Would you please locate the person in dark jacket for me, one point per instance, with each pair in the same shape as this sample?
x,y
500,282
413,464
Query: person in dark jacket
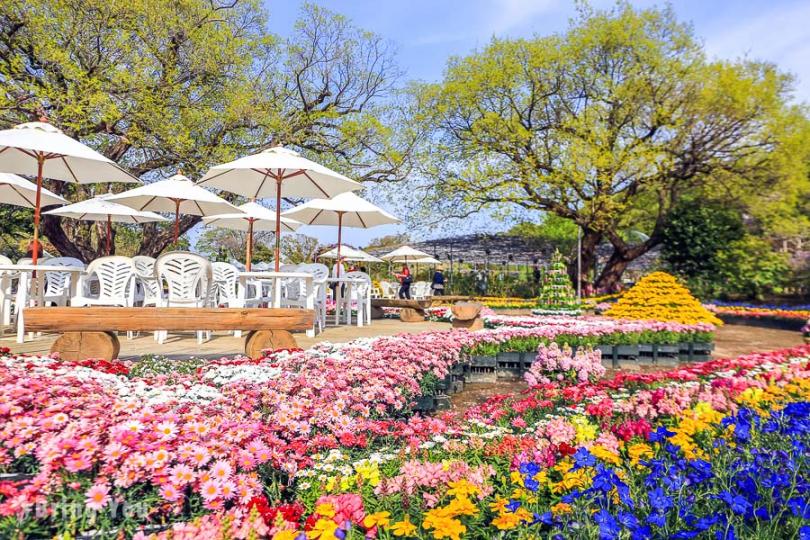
x,y
438,282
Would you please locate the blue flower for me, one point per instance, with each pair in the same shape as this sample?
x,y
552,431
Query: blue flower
x,y
804,532
659,500
609,529
531,484
583,458
641,533
799,507
513,505
661,434
737,503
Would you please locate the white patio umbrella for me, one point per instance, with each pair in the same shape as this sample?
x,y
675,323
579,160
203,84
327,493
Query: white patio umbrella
x,y
254,217
350,254
404,254
100,209
426,260
41,147
344,210
176,195
278,172
18,191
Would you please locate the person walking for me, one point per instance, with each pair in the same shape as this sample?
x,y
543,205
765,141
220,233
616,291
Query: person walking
x,y
438,282
405,279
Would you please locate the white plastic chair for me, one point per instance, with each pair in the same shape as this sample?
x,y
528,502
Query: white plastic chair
x,y
361,293
319,274
7,278
115,277
147,291
57,284
388,289
188,278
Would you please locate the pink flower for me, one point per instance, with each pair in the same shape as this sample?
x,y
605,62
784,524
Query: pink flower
x,y
221,470
169,492
97,496
210,490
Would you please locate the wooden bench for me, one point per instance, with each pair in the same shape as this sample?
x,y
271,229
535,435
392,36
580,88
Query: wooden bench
x,y
89,332
411,310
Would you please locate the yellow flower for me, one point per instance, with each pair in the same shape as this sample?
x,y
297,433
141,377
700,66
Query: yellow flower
x,y
325,509
462,488
561,508
462,506
506,521
403,528
638,451
324,529
377,519
600,452
289,534
499,505
443,526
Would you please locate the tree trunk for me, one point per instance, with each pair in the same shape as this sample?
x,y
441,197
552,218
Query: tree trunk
x,y
612,272
620,259
590,241
155,240
64,244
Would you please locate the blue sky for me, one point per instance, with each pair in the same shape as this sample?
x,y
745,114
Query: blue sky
x,y
427,32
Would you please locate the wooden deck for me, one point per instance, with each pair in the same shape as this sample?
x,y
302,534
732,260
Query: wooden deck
x,y
183,345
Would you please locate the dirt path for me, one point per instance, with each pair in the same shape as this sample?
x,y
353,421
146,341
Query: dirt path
x,y
730,341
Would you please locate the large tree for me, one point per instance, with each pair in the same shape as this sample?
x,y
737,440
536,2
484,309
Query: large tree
x,y
163,86
607,125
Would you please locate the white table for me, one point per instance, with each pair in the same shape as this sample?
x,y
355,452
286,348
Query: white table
x,y
30,290
339,298
277,278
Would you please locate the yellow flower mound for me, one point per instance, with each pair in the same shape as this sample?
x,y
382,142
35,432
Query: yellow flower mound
x,y
659,297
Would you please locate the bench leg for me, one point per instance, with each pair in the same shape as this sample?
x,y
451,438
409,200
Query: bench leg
x,y
411,315
377,313
84,345
260,340
472,324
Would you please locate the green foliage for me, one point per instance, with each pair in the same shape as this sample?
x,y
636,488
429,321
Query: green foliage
x,y
552,230
750,267
162,86
695,234
16,229
607,125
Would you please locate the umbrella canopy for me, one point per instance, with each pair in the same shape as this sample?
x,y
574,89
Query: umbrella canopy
x,y
344,210
405,254
350,254
38,148
426,260
176,195
100,209
254,217
18,191
278,172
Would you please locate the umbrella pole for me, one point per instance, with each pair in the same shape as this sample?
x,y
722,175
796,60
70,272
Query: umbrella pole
x,y
109,232
279,179
249,255
35,248
176,220
340,230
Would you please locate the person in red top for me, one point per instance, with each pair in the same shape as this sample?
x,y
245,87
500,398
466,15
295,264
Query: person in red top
x,y
404,278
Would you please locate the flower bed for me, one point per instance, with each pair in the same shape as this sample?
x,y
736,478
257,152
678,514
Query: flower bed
x,y
659,297
716,450
781,317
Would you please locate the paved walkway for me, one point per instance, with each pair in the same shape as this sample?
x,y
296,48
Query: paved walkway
x,y
183,345
732,340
